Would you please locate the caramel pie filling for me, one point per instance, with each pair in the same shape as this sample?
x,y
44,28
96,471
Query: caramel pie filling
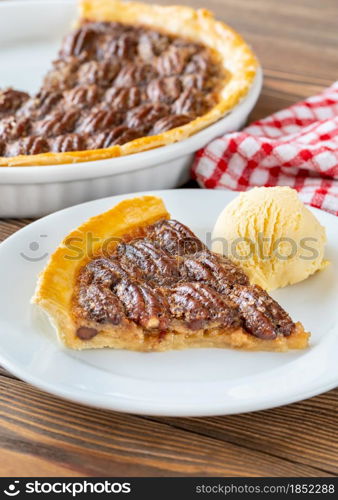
x,y
112,83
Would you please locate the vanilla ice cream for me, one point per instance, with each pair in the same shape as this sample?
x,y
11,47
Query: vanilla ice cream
x,y
272,236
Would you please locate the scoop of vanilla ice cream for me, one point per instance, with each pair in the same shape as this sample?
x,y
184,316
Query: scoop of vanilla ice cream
x,y
272,236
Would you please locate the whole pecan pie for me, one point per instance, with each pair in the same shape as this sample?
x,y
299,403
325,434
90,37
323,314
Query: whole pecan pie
x,y
147,283
130,77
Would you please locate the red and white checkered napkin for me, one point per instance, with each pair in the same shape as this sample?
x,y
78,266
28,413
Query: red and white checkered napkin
x,y
295,147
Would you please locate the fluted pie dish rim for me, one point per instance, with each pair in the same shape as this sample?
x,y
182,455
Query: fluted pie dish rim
x,y
237,59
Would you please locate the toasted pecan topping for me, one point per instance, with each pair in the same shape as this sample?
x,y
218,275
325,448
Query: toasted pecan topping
x,y
123,47
173,60
143,304
175,238
133,74
98,120
198,304
78,41
68,142
63,75
198,63
82,96
118,135
167,276
262,316
111,84
13,127
56,124
218,272
151,44
41,105
98,72
166,89
123,99
95,299
146,115
191,101
199,81
11,100
151,262
101,305
28,146
170,122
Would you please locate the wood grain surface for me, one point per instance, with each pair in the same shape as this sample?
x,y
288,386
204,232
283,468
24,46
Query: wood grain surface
x,y
297,43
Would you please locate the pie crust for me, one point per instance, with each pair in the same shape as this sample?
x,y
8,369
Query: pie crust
x,y
55,291
197,25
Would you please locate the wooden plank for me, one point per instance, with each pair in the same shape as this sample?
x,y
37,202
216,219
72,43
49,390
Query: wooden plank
x,y
96,442
32,465
297,45
10,226
5,373
304,432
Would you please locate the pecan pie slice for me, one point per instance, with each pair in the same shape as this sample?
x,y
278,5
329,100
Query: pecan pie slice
x,y
129,78
147,283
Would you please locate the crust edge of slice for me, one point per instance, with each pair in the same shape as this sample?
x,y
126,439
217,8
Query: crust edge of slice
x,y
55,285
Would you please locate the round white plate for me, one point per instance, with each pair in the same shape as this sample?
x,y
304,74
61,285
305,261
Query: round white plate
x,y
181,383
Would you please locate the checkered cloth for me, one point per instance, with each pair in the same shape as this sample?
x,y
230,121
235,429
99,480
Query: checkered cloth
x,y
295,147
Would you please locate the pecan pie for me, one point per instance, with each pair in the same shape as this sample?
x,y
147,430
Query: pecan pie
x,y
149,284
130,77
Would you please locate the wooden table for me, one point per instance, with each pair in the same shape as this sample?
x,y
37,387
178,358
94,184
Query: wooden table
x,y
296,41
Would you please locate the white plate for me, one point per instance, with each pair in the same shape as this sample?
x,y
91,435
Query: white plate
x,y
182,383
30,37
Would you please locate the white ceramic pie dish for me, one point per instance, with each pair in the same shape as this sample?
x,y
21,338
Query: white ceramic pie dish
x,y
30,34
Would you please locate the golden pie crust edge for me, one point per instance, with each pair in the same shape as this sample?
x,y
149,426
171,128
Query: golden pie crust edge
x,y
55,288
55,285
199,26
